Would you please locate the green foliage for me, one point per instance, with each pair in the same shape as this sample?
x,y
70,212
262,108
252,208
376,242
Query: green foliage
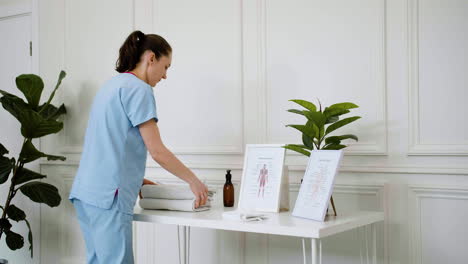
x,y
33,124
15,214
31,86
319,124
25,175
41,192
5,169
30,153
3,150
14,240
37,120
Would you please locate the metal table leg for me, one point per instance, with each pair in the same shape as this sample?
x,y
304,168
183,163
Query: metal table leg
x,y
187,245
183,239
366,233
316,245
374,243
304,250
316,251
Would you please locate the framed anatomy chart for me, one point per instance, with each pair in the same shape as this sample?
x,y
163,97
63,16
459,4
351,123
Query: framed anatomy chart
x,y
317,184
263,184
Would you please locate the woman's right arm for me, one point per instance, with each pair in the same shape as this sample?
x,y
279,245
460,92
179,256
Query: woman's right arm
x,y
150,133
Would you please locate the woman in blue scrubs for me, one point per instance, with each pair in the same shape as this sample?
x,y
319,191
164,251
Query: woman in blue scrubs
x,y
122,128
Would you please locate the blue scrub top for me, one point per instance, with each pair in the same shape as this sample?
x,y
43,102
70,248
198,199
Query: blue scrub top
x,y
114,154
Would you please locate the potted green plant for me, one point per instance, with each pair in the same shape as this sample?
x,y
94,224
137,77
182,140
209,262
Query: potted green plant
x,y
37,120
318,127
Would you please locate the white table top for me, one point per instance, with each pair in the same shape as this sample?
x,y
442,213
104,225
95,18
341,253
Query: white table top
x,y
277,223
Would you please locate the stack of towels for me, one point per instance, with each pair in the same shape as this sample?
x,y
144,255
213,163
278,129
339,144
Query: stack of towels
x,y
172,197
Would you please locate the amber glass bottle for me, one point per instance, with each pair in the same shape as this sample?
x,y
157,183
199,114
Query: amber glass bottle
x,y
228,191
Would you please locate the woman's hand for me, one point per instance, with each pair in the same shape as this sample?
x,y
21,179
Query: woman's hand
x,y
200,191
145,181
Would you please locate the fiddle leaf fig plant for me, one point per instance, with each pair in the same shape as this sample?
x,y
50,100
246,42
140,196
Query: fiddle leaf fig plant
x,y
318,127
37,120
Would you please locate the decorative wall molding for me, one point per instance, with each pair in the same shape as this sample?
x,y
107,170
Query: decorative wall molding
x,y
416,147
261,242
416,193
198,150
254,80
254,71
144,249
301,168
262,74
402,169
359,148
66,183
205,150
378,148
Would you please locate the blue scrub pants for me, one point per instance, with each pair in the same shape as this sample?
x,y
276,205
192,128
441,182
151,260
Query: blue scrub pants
x,y
106,232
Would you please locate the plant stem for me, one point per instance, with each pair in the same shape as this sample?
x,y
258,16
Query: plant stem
x,y
7,204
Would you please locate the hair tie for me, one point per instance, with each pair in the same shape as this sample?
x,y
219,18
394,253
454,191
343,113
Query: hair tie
x,y
141,37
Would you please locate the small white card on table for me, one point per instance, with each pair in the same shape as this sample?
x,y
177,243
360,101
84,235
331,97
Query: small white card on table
x,y
317,184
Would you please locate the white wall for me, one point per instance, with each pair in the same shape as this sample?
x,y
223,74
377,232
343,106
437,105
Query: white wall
x,y
17,29
235,66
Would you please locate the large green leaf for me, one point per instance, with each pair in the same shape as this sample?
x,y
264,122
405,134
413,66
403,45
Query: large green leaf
x,y
334,147
341,123
30,237
295,111
297,149
15,214
332,112
33,125
337,139
317,121
5,225
3,150
30,153
14,241
316,130
297,145
41,192
5,169
332,119
317,118
308,105
51,112
24,175
308,142
13,104
31,86
309,131
345,105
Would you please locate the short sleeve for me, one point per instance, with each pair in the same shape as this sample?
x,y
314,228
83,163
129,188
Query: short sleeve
x,y
139,104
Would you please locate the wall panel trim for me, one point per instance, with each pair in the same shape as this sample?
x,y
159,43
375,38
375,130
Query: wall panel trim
x,y
416,147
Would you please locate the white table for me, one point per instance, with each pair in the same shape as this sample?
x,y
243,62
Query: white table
x,y
277,224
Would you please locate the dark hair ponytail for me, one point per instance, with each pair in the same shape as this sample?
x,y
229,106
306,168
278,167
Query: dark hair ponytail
x,y
135,45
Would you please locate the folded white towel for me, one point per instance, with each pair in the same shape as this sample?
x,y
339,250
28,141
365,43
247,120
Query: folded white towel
x,y
169,191
187,205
